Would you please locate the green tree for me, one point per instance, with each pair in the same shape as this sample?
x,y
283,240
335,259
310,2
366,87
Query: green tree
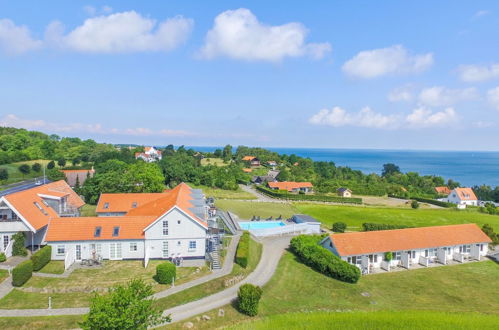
x,y
36,167
248,298
124,307
61,162
24,169
18,248
339,227
4,174
75,161
227,153
55,175
390,169
217,153
51,165
415,204
144,177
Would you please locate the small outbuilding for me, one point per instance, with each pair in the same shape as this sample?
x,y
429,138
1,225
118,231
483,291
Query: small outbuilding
x,y
344,192
313,223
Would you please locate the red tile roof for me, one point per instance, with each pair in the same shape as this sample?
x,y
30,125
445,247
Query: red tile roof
x,y
118,203
289,185
248,158
466,194
381,241
442,190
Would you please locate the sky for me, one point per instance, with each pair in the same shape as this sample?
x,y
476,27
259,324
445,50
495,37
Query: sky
x,y
323,74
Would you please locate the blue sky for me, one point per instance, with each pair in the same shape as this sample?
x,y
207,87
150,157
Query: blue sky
x,y
385,75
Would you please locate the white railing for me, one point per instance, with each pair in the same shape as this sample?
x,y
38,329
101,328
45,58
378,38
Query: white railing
x,y
302,228
69,258
8,249
147,256
385,265
424,261
458,257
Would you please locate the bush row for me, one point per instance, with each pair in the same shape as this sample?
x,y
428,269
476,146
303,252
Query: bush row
x,y
307,248
166,272
242,252
22,273
426,200
248,297
41,257
305,197
369,226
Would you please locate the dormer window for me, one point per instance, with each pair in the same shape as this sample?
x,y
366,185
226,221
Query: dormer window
x,y
106,205
97,231
134,205
40,208
116,231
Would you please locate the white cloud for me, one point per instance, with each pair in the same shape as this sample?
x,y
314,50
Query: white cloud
x,y
423,117
384,61
238,34
16,39
92,11
493,97
476,73
366,117
442,96
481,13
127,32
401,94
482,124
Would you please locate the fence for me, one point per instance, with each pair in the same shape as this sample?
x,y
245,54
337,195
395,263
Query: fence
x,y
8,249
69,258
302,228
147,256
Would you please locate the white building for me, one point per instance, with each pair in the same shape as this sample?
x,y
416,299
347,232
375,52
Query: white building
x,y
149,155
29,211
170,225
409,247
462,197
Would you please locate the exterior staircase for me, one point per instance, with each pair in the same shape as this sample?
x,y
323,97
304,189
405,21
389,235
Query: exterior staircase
x,y
215,257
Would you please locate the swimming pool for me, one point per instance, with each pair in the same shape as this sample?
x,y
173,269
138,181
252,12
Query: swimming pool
x,y
247,225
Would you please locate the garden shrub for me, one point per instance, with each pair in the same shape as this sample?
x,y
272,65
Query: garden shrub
x,y
415,204
388,256
242,252
339,227
22,273
307,248
166,272
2,257
248,298
18,248
489,231
369,226
41,257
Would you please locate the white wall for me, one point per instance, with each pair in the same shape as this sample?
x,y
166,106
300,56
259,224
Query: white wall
x,y
87,249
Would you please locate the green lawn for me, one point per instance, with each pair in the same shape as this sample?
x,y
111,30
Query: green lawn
x,y
88,210
16,176
225,194
3,275
213,161
296,288
53,267
40,322
246,210
216,285
354,216
76,290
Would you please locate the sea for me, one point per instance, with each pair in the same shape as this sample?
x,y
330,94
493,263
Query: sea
x,y
469,168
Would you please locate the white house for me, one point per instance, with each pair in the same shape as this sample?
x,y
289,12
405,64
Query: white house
x,y
30,211
170,225
462,197
149,155
409,247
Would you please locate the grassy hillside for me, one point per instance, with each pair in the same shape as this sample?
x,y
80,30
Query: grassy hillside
x,y
225,194
355,216
213,161
16,176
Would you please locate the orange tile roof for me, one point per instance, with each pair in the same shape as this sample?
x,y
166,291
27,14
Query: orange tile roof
x,y
29,203
124,202
247,170
381,241
442,190
466,194
248,158
289,185
83,228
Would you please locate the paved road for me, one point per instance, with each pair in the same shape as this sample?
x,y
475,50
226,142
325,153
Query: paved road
x,y
273,249
20,186
260,197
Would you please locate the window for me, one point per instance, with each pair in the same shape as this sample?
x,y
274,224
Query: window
x,y
133,247
165,249
97,231
465,249
481,247
6,240
192,245
106,205
134,205
430,253
165,228
178,222
179,242
40,208
396,256
14,216
116,231
61,249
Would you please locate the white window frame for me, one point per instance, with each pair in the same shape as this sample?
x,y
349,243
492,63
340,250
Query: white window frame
x,y
59,248
192,246
166,230
134,247
165,249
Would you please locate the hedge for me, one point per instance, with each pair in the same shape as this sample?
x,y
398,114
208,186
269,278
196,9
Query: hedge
x,y
242,252
339,227
22,273
41,257
248,298
426,200
307,248
369,226
305,197
2,257
166,272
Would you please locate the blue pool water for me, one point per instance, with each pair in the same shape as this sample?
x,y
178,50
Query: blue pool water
x,y
260,224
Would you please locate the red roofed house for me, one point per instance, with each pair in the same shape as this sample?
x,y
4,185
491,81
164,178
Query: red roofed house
x,y
442,190
290,186
462,197
168,225
251,160
149,155
30,211
80,176
412,246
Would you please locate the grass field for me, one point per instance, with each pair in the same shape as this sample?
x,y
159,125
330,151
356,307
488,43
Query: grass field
x,y
75,291
378,320
354,216
213,161
40,322
246,210
225,194
16,176
53,267
3,275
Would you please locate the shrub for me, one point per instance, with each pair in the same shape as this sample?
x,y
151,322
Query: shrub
x,y
22,273
41,257
489,231
425,200
242,252
339,227
51,165
307,248
248,298
304,197
415,204
18,248
166,272
388,256
2,257
368,226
